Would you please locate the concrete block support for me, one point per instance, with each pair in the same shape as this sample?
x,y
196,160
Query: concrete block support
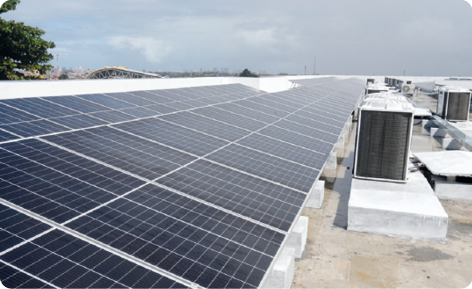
x,y
283,270
409,210
332,161
297,239
451,190
316,196
450,144
427,123
437,132
341,141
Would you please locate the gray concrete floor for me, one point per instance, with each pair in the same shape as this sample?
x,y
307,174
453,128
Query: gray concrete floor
x,y
337,258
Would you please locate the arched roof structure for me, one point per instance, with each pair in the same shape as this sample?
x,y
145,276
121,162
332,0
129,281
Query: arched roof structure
x,y
119,72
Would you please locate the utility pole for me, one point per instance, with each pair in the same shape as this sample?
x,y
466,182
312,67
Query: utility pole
x,y
314,67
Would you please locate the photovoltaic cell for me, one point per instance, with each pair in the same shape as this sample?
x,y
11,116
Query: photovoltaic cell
x,y
6,136
336,130
45,191
106,101
39,107
78,121
11,115
16,227
298,139
240,193
68,262
77,103
247,112
230,118
112,116
266,166
285,151
174,136
34,128
208,218
206,125
122,150
173,245
130,98
262,108
139,112
75,166
306,130
12,278
151,96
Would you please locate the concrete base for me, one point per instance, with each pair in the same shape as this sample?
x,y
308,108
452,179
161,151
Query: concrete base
x,y
437,132
427,123
332,161
283,270
409,210
451,190
341,141
450,144
297,239
316,196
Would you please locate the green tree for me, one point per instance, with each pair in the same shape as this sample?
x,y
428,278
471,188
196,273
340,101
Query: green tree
x,y
247,73
22,47
64,76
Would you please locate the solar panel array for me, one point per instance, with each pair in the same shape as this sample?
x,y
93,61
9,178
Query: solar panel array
x,y
167,188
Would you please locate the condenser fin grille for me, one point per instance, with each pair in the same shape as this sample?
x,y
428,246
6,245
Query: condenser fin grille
x,y
383,143
458,106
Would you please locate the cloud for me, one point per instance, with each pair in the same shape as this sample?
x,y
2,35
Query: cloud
x,y
153,50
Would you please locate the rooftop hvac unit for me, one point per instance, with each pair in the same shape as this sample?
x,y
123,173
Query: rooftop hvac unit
x,y
375,88
454,103
370,80
383,139
407,89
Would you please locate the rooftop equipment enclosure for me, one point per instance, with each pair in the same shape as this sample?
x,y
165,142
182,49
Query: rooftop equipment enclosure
x,y
383,140
454,103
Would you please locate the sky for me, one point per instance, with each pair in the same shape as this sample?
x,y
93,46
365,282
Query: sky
x,y
363,37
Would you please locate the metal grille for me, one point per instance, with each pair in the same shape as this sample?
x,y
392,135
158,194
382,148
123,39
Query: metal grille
x,y
383,142
458,106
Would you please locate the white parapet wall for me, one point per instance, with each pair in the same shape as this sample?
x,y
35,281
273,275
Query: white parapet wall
x,y
38,88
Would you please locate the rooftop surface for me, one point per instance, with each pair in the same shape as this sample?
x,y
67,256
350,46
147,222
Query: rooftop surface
x,y
337,258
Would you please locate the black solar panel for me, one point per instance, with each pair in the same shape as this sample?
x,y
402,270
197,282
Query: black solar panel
x,y
173,135
34,128
11,115
243,194
124,151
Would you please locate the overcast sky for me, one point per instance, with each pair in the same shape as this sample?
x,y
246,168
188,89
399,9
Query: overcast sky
x,y
423,37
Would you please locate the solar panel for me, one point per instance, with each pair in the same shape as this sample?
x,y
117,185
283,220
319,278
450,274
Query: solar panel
x,y
39,107
206,125
11,115
161,188
123,151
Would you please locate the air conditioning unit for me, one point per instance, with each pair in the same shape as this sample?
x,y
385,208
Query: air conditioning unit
x,y
383,139
454,103
407,89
